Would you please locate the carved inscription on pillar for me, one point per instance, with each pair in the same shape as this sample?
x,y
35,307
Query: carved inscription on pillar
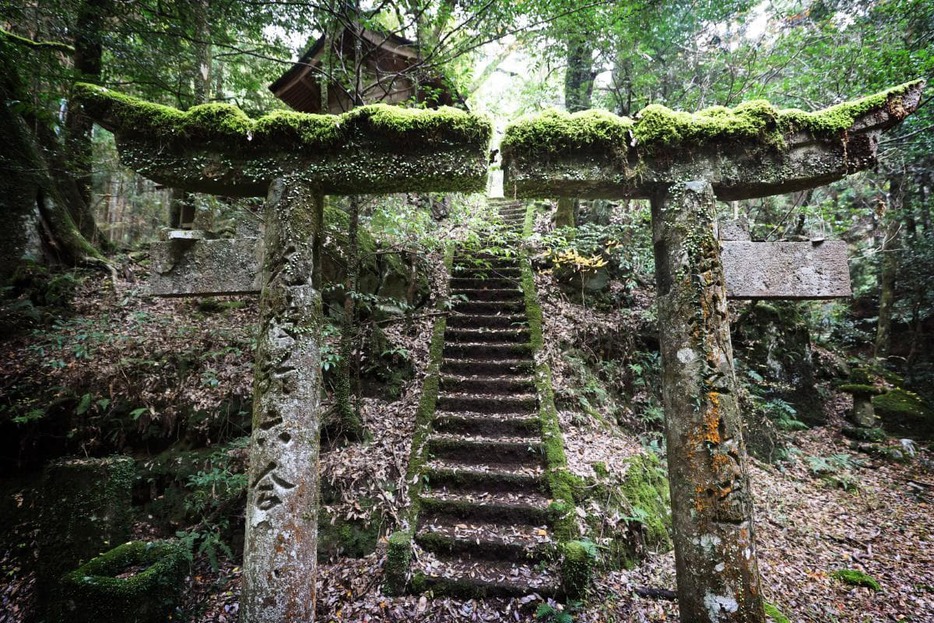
x,y
281,531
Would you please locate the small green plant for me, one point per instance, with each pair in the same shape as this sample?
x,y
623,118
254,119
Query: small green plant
x,y
854,577
552,612
836,469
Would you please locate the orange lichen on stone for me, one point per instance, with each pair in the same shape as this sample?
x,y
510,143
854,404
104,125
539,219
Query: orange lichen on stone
x,y
712,419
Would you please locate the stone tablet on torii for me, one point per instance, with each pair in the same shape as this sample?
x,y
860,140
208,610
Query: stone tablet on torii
x,y
681,162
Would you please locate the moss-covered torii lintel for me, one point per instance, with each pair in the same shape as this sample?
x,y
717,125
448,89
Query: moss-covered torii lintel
x,y
218,149
753,150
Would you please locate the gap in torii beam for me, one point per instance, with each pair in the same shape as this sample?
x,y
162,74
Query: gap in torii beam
x,y
680,162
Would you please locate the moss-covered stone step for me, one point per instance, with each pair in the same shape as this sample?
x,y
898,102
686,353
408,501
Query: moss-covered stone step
x,y
483,540
490,308
528,508
502,367
474,321
488,477
474,451
487,350
518,334
476,384
443,575
477,283
510,293
482,403
488,424
486,273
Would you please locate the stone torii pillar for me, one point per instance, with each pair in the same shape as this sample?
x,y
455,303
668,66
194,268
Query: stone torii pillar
x,y
294,159
682,163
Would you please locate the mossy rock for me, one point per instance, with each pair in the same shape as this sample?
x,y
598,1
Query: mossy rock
x,y
85,510
854,577
398,559
645,487
341,537
859,389
874,435
905,411
137,582
578,559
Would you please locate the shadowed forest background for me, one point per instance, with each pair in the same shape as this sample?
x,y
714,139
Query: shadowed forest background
x,y
92,365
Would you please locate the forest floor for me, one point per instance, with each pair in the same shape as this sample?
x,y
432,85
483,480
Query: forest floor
x,y
823,508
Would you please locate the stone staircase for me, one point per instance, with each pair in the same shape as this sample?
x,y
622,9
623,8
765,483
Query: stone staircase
x,y
483,529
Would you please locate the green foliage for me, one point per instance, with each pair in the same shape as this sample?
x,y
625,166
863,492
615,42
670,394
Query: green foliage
x,y
212,493
551,612
837,469
854,577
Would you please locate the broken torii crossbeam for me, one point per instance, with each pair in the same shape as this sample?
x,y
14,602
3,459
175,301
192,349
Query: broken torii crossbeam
x,y
682,163
293,159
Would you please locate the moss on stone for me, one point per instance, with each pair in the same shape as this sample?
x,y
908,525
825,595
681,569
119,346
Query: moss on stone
x,y
392,126
85,510
775,614
578,559
874,435
854,577
137,581
901,403
645,488
398,558
563,486
554,132
859,388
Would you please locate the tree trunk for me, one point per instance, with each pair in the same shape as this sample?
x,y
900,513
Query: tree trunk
x,y
35,190
564,216
348,413
889,269
280,558
717,573
578,79
88,63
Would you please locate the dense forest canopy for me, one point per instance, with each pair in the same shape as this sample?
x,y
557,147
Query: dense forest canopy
x,y
441,310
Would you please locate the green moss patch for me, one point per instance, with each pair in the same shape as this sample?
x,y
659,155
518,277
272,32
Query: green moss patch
x,y
555,132
390,127
577,565
646,490
859,389
905,411
137,581
856,578
775,614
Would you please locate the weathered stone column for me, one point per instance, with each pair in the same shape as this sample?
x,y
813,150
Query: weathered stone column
x,y
718,578
279,558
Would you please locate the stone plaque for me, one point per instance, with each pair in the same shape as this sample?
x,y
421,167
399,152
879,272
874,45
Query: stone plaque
x,y
201,267
786,270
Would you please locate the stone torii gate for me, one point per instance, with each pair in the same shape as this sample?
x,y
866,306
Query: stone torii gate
x,y
683,163
293,159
